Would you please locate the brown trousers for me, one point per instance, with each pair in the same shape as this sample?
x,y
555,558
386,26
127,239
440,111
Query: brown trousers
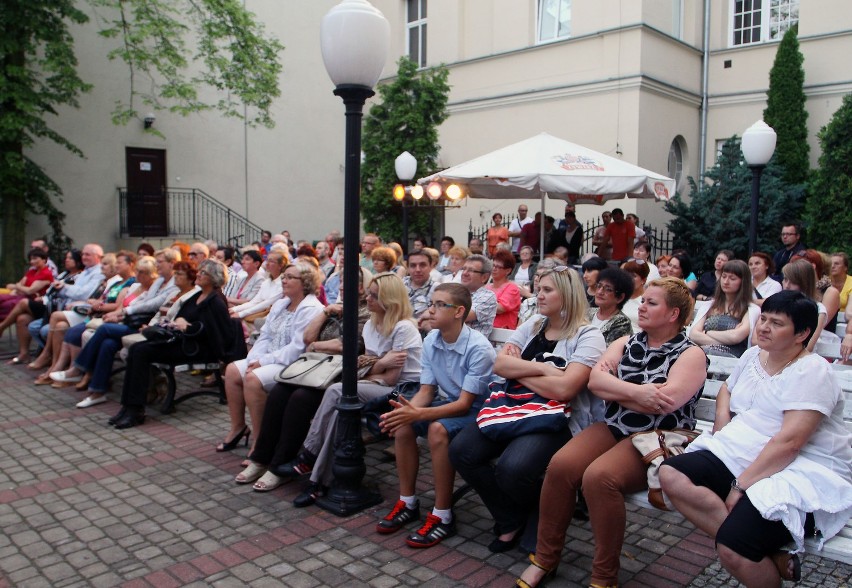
x,y
606,470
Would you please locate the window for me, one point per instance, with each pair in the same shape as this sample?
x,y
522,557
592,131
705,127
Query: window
x,y
554,20
675,162
762,20
677,19
416,28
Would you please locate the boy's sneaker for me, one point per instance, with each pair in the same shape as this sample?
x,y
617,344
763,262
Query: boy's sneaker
x,y
397,518
433,531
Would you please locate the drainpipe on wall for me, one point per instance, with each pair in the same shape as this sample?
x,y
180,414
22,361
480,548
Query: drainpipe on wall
x,y
705,73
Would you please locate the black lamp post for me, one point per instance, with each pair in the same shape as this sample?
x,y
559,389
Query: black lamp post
x,y
758,145
354,38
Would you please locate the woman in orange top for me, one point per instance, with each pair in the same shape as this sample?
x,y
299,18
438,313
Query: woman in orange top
x,y
496,234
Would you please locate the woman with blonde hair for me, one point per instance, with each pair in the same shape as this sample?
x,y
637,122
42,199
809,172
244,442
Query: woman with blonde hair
x,y
552,355
391,363
399,269
650,380
93,367
457,256
724,324
280,343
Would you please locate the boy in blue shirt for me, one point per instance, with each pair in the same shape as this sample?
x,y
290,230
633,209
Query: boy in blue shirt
x,y
457,364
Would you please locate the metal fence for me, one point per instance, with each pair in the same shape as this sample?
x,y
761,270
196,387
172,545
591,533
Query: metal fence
x,y
187,213
660,240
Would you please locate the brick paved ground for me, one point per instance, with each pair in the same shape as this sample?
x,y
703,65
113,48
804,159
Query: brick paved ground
x,y
82,504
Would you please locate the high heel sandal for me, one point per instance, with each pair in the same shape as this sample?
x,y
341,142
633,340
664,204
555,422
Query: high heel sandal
x,y
232,444
549,574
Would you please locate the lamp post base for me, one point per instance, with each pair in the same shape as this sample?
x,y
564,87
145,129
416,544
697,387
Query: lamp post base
x,y
347,496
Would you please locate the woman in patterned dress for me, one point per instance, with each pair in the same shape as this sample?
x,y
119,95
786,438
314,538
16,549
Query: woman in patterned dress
x,y
648,381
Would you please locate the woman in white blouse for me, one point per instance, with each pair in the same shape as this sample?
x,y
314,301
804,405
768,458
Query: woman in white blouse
x,y
778,460
270,289
280,343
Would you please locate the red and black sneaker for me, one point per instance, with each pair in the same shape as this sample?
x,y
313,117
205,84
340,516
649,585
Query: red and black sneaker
x,y
397,518
433,531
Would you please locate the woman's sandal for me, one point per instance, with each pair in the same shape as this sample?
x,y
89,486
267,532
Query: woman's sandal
x,y
250,474
43,380
782,560
549,574
268,482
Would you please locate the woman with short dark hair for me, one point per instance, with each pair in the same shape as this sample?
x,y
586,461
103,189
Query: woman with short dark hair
x,y
778,459
613,290
591,268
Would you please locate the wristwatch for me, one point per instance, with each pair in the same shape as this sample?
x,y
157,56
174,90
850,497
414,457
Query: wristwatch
x,y
735,484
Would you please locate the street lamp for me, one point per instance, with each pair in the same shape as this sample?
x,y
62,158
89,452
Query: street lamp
x,y
406,168
354,38
758,144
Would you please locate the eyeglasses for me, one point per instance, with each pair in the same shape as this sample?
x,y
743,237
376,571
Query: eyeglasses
x,y
605,288
495,266
473,271
193,254
289,277
441,305
203,273
373,295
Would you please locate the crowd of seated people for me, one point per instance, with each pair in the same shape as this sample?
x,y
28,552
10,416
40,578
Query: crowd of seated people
x,y
614,349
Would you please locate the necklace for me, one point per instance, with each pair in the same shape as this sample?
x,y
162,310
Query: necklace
x,y
786,365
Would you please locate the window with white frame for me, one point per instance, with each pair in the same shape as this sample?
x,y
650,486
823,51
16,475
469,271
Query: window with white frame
x,y
554,20
416,29
756,21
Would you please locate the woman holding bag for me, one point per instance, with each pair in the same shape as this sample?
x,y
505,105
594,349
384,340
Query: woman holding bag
x,y
281,341
393,342
510,488
650,380
290,408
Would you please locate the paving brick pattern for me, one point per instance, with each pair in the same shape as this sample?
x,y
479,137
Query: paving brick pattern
x,y
82,504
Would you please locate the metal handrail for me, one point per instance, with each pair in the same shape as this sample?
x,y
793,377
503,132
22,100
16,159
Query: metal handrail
x,y
189,213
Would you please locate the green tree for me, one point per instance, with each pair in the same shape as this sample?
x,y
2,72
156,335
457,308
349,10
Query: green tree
x,y
785,109
828,216
718,216
407,119
172,50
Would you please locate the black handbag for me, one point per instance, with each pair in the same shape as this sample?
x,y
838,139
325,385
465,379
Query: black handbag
x,y
160,334
137,321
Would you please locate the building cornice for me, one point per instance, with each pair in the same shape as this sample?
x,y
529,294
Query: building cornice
x,y
609,85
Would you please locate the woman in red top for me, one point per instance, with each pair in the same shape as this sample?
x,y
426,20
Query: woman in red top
x,y
507,292
35,282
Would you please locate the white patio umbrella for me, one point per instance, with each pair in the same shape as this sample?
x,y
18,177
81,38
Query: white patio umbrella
x,y
545,165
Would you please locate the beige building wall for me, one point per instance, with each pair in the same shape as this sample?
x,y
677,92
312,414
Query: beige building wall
x,y
278,177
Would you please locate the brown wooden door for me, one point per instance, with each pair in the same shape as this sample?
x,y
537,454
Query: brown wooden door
x,y
147,209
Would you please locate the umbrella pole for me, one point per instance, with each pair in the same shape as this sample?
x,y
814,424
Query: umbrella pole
x,y
541,228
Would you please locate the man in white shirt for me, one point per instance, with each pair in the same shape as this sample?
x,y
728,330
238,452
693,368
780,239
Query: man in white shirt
x,y
516,225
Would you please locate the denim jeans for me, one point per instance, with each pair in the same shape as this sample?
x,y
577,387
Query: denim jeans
x,y
511,486
97,355
38,332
